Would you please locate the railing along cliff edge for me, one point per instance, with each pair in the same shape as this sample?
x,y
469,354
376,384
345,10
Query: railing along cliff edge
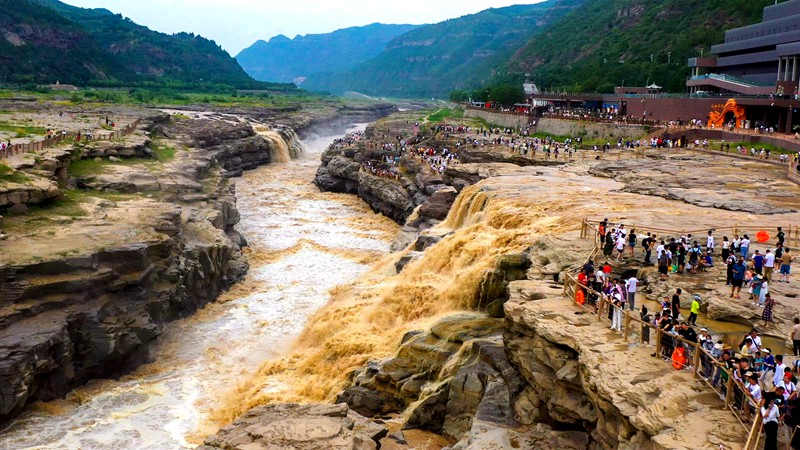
x,y
37,146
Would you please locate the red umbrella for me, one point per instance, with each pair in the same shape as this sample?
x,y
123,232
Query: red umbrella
x,y
762,236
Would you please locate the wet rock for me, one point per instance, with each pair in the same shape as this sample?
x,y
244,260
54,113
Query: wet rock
x,y
370,402
343,167
406,260
438,205
300,427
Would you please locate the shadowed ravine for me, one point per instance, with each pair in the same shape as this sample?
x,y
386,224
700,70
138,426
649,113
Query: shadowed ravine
x,y
303,243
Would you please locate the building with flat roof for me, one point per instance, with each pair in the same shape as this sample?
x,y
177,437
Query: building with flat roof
x,y
756,59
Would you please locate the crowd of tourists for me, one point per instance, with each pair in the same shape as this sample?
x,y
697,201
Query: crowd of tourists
x,y
436,160
755,369
349,140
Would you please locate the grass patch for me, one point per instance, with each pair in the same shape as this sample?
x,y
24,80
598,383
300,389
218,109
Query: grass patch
x,y
774,149
587,141
164,153
440,115
10,175
22,130
86,167
37,217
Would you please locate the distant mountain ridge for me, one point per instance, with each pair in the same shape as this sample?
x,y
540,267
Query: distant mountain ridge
x,y
285,60
456,54
42,41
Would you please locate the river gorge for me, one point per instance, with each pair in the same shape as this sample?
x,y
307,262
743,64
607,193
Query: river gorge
x,y
302,243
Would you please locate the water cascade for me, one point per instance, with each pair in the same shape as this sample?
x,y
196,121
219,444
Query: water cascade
x,y
280,151
366,319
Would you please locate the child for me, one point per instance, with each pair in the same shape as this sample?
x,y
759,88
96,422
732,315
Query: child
x,y
758,363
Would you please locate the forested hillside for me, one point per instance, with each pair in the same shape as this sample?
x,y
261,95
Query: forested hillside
x,y
456,54
42,41
606,43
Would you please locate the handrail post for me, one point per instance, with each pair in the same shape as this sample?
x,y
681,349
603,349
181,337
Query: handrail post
x,y
627,325
729,390
697,351
659,334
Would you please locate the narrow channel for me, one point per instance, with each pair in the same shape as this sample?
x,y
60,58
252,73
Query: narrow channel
x,y
302,242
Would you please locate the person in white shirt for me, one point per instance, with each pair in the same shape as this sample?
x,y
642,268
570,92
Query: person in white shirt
x,y
660,250
769,265
771,415
780,369
630,288
620,246
744,245
710,242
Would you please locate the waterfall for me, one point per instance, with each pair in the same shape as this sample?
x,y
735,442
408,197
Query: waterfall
x,y
283,144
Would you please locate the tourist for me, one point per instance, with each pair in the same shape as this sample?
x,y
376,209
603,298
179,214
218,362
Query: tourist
x,y
769,305
771,415
755,393
632,243
736,245
663,263
709,352
676,304
630,288
647,246
769,264
687,332
781,236
726,248
620,245
744,246
679,359
739,270
694,257
695,310
730,260
758,262
618,305
786,266
608,246
710,242
769,365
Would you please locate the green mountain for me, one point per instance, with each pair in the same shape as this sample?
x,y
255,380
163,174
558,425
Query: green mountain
x,y
284,60
606,43
456,54
42,41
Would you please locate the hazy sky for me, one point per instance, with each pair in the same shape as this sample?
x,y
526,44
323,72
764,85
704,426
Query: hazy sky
x,y
236,24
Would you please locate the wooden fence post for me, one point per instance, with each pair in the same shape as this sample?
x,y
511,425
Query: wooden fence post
x,y
659,334
696,362
729,391
627,325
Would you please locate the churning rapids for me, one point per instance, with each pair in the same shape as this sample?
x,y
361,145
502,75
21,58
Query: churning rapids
x,y
303,243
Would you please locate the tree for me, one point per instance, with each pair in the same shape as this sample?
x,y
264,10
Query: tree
x,y
459,96
507,94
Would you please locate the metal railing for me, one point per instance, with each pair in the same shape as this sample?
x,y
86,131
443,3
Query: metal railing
x,y
56,139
